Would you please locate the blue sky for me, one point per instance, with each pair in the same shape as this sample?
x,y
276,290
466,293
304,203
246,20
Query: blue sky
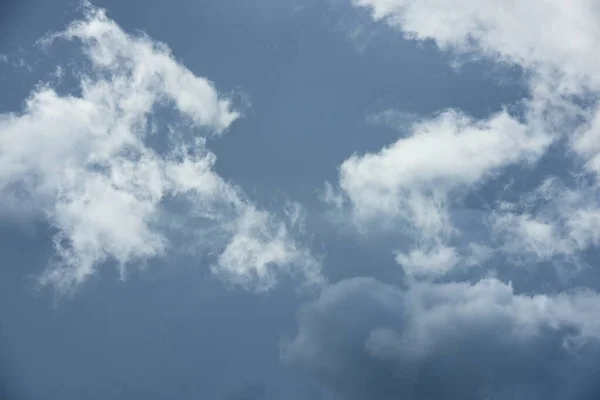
x,y
260,200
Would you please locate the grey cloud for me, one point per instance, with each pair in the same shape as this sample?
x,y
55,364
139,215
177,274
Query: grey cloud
x,y
364,339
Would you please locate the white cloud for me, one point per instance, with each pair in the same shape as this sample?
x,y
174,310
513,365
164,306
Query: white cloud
x,y
412,177
557,44
554,39
586,142
531,235
86,161
258,246
440,312
147,67
551,221
416,181
365,339
424,262
559,217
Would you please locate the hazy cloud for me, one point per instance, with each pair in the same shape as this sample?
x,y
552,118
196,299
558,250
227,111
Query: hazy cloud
x,y
368,340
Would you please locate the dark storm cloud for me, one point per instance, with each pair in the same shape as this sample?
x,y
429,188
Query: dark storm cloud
x,y
367,340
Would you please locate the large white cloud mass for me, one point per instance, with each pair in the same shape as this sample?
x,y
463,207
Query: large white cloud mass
x,y
418,184
418,179
119,166
448,332
88,160
554,40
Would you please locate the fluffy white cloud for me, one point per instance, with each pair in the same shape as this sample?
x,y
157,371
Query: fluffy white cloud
x,y
555,40
423,177
416,181
87,161
412,177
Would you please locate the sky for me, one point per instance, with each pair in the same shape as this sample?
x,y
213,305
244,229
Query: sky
x,y
300,199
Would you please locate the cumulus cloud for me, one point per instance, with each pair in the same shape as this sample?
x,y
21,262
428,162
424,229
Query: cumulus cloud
x,y
88,160
420,181
478,339
560,47
416,181
442,155
364,339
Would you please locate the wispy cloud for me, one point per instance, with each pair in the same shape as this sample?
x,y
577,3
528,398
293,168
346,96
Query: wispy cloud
x,y
87,159
418,182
